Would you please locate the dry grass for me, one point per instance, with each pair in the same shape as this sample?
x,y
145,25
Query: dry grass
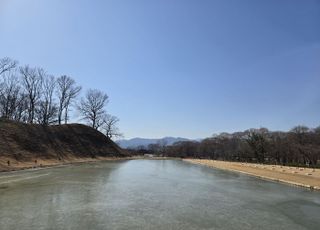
x,y
42,163
29,145
304,177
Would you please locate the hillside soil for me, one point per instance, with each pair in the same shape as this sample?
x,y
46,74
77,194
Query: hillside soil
x,y
29,145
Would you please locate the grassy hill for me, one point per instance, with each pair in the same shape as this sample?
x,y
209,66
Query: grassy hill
x,y
21,142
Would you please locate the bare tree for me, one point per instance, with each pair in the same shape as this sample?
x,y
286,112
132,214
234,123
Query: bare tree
x,y
9,95
258,144
73,93
31,82
154,148
67,91
92,107
7,64
300,130
162,143
9,87
47,109
21,112
304,141
109,126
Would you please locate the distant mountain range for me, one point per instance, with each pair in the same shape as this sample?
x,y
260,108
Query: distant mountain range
x,y
136,142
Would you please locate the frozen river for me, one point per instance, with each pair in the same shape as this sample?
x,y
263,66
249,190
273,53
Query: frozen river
x,y
151,194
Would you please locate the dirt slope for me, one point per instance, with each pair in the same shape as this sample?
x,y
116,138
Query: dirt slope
x,y
24,142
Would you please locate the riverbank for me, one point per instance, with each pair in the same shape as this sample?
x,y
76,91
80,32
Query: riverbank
x,y
25,146
303,177
15,165
45,163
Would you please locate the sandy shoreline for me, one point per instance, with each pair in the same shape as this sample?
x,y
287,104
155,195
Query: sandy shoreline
x,y
303,177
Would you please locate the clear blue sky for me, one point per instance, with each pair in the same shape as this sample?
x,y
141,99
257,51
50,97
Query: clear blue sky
x,y
186,68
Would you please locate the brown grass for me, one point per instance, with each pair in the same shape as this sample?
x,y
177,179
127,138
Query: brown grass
x,y
26,145
43,163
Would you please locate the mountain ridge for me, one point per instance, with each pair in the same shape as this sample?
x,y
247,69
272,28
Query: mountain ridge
x,y
144,142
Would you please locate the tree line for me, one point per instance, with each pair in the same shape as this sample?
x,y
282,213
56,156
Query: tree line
x,y
299,146
31,95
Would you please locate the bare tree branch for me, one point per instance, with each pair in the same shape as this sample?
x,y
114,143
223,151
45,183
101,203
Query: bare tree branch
x,y
109,126
46,111
92,107
32,82
7,64
67,91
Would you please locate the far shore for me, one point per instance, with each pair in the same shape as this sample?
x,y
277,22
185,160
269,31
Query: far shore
x,y
46,163
297,176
